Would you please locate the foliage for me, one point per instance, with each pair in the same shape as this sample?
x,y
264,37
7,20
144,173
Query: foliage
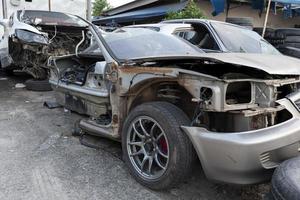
x,y
99,6
191,11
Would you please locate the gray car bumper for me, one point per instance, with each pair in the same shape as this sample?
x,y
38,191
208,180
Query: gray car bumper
x,y
247,157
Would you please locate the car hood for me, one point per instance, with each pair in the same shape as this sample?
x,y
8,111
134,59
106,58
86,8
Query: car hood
x,y
272,64
23,26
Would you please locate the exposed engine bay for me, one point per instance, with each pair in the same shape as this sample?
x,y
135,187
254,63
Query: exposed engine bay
x,y
219,97
225,97
32,57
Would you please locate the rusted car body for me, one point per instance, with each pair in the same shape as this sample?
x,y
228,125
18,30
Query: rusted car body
x,y
243,108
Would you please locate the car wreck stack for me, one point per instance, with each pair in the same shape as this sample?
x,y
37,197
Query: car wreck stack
x,y
286,40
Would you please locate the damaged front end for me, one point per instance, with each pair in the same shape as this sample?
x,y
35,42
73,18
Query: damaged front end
x,y
244,121
243,108
244,126
39,35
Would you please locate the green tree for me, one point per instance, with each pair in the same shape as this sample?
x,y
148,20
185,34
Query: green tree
x,y
191,11
99,6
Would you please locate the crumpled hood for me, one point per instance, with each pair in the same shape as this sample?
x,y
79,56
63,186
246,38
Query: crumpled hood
x,y
272,64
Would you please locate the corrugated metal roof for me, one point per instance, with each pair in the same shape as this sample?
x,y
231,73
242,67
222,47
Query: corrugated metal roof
x,y
129,6
141,14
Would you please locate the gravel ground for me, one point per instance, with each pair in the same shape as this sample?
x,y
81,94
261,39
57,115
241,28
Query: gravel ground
x,y
39,159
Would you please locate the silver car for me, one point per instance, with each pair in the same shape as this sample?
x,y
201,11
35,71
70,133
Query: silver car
x,y
214,36
168,101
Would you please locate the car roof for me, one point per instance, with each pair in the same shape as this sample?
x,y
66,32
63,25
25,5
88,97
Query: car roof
x,y
193,20
164,28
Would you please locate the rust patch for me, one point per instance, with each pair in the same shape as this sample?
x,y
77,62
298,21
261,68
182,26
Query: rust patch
x,y
114,66
115,119
135,70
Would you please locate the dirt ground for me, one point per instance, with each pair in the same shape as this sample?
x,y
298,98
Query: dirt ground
x,y
40,159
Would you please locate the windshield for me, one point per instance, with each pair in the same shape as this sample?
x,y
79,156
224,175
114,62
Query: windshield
x,y
128,44
237,39
50,18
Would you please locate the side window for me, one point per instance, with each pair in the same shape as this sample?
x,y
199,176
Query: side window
x,y
200,37
207,41
179,34
192,36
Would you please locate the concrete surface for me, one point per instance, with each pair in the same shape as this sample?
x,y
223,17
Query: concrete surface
x,y
39,159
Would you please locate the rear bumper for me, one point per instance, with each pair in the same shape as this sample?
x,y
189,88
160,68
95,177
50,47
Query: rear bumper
x,y
247,157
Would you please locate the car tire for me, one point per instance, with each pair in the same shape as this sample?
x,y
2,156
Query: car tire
x,y
288,31
290,44
290,51
292,39
166,172
269,33
241,21
285,180
271,36
9,72
38,85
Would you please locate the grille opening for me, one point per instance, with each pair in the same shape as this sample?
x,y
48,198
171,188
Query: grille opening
x,y
237,122
238,93
285,90
282,116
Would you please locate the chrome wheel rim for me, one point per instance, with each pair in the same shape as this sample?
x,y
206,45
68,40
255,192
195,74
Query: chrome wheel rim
x,y
148,147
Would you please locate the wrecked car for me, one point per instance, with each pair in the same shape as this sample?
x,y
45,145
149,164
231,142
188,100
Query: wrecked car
x,y
214,36
31,36
169,102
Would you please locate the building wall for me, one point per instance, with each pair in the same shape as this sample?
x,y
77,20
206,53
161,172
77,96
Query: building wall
x,y
247,11
77,7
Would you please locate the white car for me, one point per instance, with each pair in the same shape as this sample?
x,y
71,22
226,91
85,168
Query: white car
x,y
31,36
214,36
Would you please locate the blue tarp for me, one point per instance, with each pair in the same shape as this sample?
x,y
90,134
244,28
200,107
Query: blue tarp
x,y
220,5
142,14
291,8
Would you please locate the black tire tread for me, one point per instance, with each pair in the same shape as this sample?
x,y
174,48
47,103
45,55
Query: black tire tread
x,y
284,182
176,116
292,39
290,51
241,21
289,31
38,85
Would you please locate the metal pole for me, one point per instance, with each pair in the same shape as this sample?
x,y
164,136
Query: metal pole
x,y
4,9
49,5
89,10
266,19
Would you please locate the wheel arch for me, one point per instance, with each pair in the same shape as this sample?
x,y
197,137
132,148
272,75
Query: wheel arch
x,y
168,90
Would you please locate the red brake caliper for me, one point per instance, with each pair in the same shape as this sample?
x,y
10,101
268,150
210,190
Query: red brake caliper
x,y
163,145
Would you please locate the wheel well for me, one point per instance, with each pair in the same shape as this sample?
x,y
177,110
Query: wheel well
x,y
169,91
